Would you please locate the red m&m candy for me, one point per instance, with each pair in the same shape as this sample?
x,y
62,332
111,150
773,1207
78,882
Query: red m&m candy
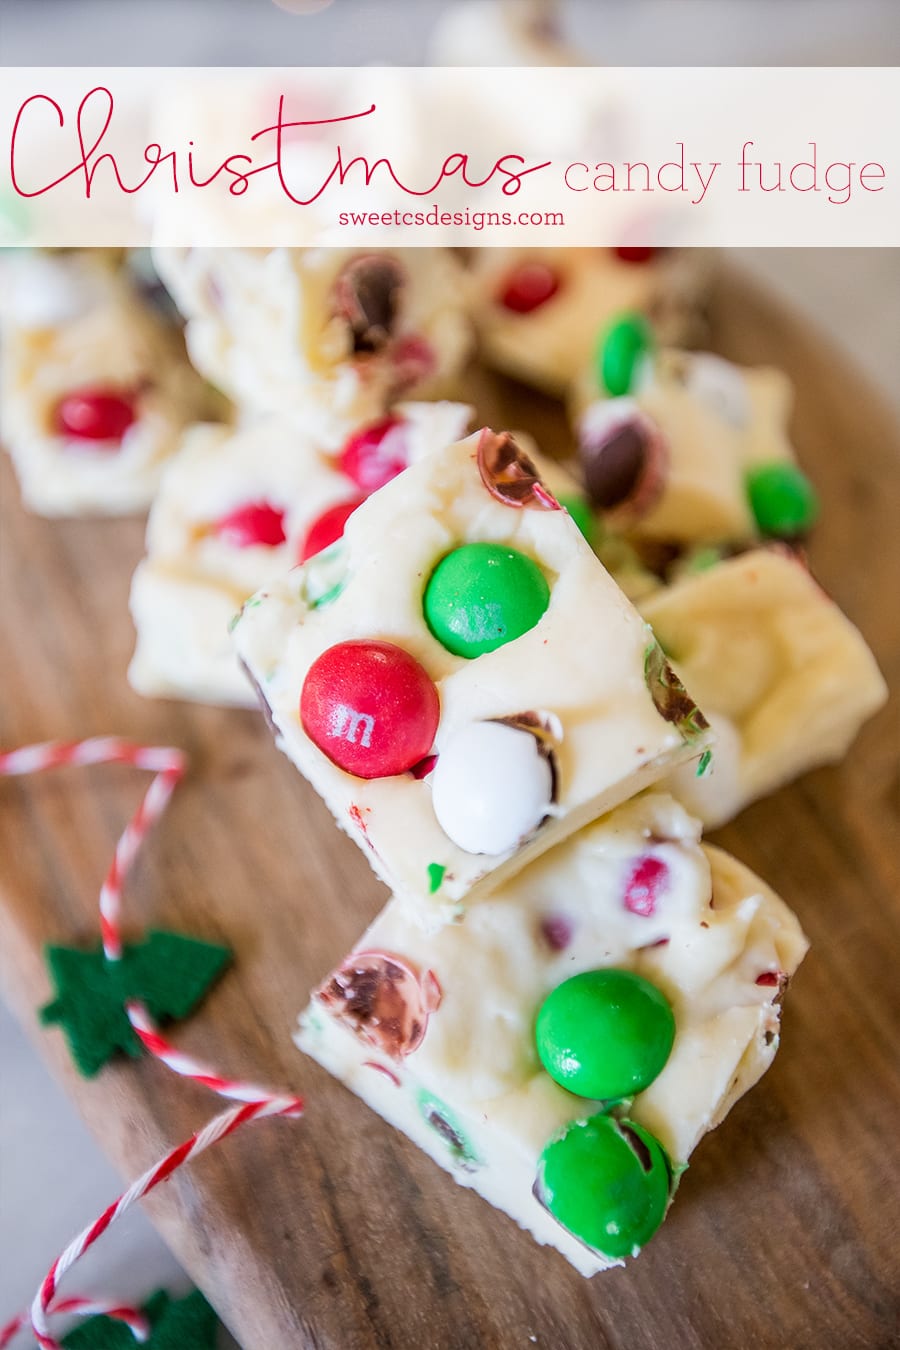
x,y
413,359
255,524
95,415
636,253
528,286
327,528
370,707
376,454
647,883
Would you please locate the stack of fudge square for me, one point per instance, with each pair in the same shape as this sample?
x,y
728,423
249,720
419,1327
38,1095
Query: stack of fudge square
x,y
523,687
566,989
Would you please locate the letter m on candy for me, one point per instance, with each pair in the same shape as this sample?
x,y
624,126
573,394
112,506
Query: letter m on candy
x,y
347,722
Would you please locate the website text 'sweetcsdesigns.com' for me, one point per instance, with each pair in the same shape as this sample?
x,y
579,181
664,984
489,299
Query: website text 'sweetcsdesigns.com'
x,y
474,220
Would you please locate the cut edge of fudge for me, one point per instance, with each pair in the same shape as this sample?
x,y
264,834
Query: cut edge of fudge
x,y
440,1133
169,658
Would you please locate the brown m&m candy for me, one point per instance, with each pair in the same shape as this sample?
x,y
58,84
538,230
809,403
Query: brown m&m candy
x,y
384,1000
367,296
623,456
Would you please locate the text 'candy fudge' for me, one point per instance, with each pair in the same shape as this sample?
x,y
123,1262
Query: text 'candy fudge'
x,y
784,677
564,1047
460,678
240,506
328,336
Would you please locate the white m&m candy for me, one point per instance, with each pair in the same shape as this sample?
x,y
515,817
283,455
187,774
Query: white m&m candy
x,y
492,786
721,385
45,289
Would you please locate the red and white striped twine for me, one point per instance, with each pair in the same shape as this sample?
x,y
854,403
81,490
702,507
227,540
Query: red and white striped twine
x,y
84,1307
186,1065
45,1302
169,766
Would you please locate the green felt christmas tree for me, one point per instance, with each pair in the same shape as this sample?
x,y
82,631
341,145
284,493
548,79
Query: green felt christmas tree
x,y
176,1324
166,972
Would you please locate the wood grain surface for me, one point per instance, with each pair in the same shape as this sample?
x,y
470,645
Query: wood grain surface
x,y
337,1233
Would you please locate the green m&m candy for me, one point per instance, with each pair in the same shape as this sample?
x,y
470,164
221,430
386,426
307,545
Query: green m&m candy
x,y
622,345
782,499
15,218
441,1119
605,1034
607,1181
579,508
481,596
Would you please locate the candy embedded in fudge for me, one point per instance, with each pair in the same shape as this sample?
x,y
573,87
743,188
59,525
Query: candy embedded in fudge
x,y
538,310
326,335
460,678
784,677
238,507
685,448
95,386
480,1040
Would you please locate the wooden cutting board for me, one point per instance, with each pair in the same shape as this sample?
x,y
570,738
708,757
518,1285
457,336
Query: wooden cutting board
x,y
334,1232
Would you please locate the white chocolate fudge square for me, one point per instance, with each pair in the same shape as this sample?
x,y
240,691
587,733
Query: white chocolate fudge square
x,y
436,1032
548,341
585,688
328,336
501,33
77,334
236,508
42,288
784,677
668,461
